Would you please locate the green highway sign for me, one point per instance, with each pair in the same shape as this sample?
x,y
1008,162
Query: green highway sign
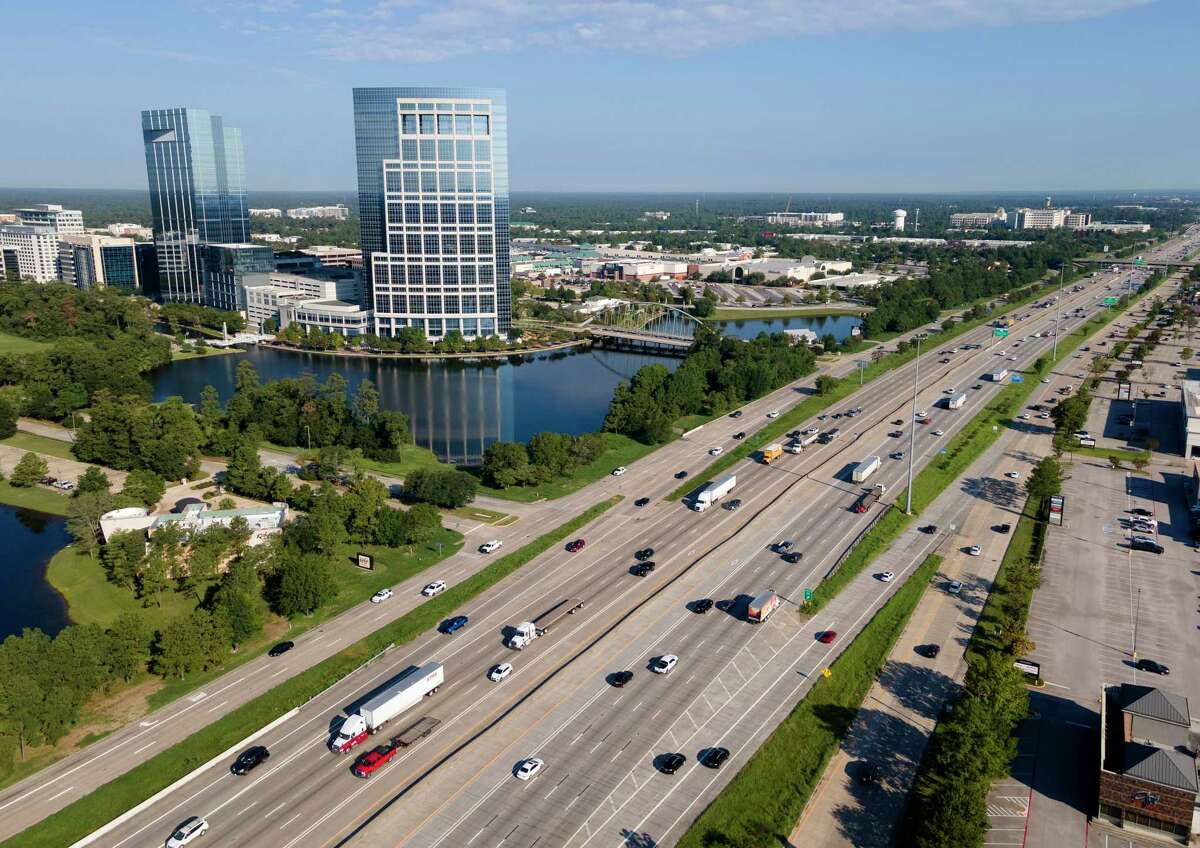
x,y
1000,332
808,594
1110,301
1139,261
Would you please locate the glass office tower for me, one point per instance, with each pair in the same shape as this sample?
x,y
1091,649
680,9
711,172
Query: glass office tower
x,y
197,174
433,200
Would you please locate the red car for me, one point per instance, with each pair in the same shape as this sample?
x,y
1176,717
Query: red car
x,y
370,762
576,546
827,636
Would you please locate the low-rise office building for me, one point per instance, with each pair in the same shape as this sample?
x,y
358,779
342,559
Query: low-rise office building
x,y
1191,418
271,212
263,521
89,260
978,220
335,257
264,300
329,316
337,212
63,221
806,219
1148,779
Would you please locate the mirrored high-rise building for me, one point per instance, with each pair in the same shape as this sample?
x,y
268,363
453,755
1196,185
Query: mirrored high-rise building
x,y
433,200
196,169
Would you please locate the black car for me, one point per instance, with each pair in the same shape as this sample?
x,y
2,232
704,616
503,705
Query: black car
x,y
281,649
641,502
671,763
644,554
739,435
1140,544
737,413
620,678
642,569
897,422
702,606
782,547
1152,666
249,759
793,557
930,651
733,504
868,773
1003,528
679,475
1142,511
929,528
714,758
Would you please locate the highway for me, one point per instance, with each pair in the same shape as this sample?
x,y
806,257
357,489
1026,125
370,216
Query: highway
x,y
459,778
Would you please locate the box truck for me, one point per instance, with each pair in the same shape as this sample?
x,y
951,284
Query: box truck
x,y
760,608
865,469
868,498
397,697
956,402
713,492
997,376
771,453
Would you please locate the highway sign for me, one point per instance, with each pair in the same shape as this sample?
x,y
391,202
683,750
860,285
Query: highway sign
x,y
1110,301
1139,261
808,594
1000,332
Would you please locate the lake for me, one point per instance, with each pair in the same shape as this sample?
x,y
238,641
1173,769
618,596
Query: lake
x,y
456,409
31,539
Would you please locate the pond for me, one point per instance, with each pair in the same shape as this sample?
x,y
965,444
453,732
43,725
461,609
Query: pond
x,y
30,539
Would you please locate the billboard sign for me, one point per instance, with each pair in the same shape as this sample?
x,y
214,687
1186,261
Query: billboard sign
x,y
1057,505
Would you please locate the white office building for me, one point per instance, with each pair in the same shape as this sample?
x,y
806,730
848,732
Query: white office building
x,y
1040,219
62,221
806,219
978,220
265,300
271,212
30,252
330,316
337,212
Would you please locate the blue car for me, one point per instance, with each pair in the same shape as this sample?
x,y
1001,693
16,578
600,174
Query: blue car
x,y
451,625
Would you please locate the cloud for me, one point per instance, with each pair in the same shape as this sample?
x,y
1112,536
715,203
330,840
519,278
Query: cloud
x,y
409,30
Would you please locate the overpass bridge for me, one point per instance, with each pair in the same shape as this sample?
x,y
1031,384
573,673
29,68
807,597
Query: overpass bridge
x,y
1155,264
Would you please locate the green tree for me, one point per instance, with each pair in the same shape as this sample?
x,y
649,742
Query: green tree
x,y
1045,479
8,417
83,517
826,384
424,522
144,486
30,469
122,557
92,480
129,640
391,527
306,583
505,464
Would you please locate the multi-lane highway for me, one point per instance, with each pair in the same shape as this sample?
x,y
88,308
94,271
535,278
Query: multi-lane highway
x,y
733,682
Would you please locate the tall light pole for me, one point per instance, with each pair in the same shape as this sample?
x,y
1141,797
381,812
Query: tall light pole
x,y
1136,616
862,366
1058,312
912,422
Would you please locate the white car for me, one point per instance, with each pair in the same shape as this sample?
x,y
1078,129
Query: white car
x,y
922,415
530,768
1024,416
1012,359
1013,475
939,432
812,431
381,596
949,390
1001,352
499,672
1045,379
773,414
717,451
664,664
490,547
887,576
434,588
974,550
617,472
187,833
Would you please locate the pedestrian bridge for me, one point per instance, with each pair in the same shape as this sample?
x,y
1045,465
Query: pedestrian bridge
x,y
643,324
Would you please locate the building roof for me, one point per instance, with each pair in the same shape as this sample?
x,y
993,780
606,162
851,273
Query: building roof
x,y
1155,703
1164,766
1191,398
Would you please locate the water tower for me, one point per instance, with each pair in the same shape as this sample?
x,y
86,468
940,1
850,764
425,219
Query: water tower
x,y
898,217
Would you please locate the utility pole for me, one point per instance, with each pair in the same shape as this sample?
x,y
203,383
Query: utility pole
x,y
912,423
862,366
1136,615
1058,312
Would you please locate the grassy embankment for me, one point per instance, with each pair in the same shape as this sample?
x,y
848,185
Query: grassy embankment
x,y
92,811
762,803
18,344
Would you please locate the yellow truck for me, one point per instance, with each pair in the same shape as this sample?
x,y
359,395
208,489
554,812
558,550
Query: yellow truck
x,y
771,453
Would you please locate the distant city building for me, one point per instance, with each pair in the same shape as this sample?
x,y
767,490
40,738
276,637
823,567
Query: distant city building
x,y
266,213
658,216
226,270
335,257
528,210
30,252
274,238
643,271
978,220
849,282
1117,228
196,171
9,218
62,221
338,212
1077,220
89,260
434,206
898,216
1040,219
806,219
133,231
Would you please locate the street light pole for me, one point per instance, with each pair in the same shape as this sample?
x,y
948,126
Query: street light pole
x,y
1058,311
1137,615
912,423
862,366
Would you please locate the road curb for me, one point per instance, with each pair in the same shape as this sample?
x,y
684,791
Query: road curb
x,y
153,799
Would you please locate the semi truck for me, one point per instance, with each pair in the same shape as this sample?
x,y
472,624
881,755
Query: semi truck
x,y
713,492
997,376
865,469
760,608
868,498
956,402
401,695
771,453
527,631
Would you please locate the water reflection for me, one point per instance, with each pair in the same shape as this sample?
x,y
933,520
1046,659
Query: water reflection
x,y
30,539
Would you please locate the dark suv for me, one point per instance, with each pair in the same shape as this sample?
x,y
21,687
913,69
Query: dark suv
x,y
672,763
1152,667
249,759
642,568
702,606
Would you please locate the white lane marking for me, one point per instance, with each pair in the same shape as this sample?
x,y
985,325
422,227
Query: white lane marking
x,y
218,706
244,809
277,809
167,812
289,821
144,747
60,794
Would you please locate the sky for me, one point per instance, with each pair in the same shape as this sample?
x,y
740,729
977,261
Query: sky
x,y
632,95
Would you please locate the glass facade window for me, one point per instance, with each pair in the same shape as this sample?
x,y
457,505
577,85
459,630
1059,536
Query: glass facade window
x,y
451,144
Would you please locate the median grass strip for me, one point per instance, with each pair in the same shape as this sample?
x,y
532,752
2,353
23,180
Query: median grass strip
x,y
762,803
967,445
115,797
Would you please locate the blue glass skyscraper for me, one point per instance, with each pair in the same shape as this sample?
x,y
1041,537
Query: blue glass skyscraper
x,y
196,169
433,201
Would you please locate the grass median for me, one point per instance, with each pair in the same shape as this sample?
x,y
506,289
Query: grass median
x,y
761,804
115,797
